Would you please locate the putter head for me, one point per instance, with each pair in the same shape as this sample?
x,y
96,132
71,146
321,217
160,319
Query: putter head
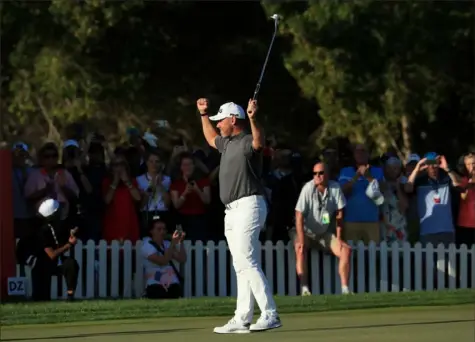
x,y
276,17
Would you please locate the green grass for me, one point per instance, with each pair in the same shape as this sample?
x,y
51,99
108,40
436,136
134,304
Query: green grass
x,y
58,312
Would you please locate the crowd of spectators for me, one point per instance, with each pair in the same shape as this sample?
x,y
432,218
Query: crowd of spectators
x,y
115,194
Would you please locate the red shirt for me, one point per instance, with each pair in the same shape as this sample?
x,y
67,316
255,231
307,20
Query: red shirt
x,y
120,217
467,207
193,204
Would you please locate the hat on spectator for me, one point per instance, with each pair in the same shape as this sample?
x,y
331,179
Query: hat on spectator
x,y
48,207
228,110
70,142
374,193
20,146
150,138
413,158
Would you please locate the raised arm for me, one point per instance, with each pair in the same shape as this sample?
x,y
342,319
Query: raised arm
x,y
208,128
258,136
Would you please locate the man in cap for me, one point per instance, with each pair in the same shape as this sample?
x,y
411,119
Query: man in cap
x,y
244,198
49,254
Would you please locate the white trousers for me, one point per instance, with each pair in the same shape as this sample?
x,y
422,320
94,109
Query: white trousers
x,y
243,222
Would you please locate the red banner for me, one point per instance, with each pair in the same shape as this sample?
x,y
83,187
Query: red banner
x,y
7,238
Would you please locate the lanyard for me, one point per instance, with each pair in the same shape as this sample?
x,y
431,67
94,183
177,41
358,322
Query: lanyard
x,y
322,199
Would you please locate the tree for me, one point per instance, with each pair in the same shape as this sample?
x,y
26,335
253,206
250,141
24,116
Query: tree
x,y
381,71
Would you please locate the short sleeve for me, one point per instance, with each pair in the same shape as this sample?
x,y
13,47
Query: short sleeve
x,y
302,203
340,198
166,182
344,176
147,249
220,143
141,183
247,145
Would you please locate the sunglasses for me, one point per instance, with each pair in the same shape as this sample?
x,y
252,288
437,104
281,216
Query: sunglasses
x,y
318,173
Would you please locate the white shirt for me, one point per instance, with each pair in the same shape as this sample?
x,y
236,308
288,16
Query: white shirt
x,y
156,203
155,274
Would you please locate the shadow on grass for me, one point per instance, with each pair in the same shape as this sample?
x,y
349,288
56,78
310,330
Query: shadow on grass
x,y
112,333
372,326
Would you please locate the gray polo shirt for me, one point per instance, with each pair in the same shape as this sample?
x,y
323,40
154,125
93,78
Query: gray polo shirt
x,y
312,205
240,168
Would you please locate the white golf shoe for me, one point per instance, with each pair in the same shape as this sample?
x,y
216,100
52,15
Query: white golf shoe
x,y
266,323
233,327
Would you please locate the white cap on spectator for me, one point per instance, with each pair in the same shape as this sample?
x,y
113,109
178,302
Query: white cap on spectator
x,y
48,207
150,138
373,192
413,157
20,145
70,142
228,110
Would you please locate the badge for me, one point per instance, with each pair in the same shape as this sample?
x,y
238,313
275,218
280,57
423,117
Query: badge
x,y
436,198
325,217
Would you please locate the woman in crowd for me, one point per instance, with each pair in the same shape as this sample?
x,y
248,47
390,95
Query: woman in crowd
x,y
154,186
190,195
465,231
120,196
395,203
51,181
163,279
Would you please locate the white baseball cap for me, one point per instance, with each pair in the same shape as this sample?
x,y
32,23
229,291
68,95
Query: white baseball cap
x,y
227,110
150,138
413,157
70,142
48,207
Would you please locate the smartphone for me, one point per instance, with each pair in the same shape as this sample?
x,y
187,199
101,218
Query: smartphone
x,y
179,228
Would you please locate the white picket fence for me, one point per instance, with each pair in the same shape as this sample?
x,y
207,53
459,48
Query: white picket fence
x,y
113,271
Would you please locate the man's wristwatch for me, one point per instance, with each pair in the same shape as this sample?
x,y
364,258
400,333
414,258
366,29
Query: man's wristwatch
x,y
205,114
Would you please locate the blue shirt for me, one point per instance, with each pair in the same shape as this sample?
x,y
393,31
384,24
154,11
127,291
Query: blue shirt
x,y
359,207
434,204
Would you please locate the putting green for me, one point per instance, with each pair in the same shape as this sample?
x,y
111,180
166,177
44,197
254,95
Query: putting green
x,y
435,324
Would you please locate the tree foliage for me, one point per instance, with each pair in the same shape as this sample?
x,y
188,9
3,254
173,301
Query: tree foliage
x,y
381,71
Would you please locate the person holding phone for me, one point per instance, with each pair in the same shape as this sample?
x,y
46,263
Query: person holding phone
x,y
121,196
163,279
190,195
154,186
433,193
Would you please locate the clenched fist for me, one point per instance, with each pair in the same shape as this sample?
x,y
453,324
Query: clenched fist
x,y
202,105
252,109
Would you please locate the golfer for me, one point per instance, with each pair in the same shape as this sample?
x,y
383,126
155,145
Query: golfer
x,y
243,196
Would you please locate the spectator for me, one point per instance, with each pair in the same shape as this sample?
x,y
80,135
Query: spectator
x,y
96,172
74,162
53,242
412,217
465,231
433,198
330,157
22,209
50,181
162,277
284,192
320,202
361,212
120,196
395,203
190,195
154,186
